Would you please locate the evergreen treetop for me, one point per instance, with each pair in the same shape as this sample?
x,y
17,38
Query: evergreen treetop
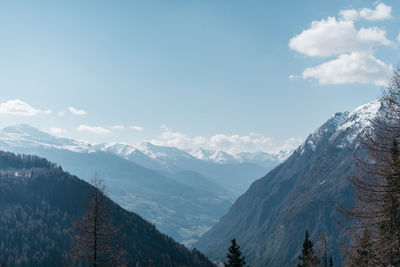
x,y
308,257
234,256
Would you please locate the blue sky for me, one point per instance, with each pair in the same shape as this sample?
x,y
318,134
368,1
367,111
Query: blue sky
x,y
191,73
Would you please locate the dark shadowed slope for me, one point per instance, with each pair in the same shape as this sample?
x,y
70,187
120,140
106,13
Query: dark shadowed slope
x,y
38,204
270,218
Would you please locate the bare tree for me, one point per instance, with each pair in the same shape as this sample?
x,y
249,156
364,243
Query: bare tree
x,y
321,250
94,242
375,217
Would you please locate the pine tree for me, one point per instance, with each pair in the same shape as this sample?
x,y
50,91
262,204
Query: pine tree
x,y
308,257
330,262
234,255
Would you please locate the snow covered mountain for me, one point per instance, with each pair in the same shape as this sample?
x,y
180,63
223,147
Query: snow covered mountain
x,y
181,194
234,173
168,156
259,157
301,193
220,157
23,135
145,152
183,205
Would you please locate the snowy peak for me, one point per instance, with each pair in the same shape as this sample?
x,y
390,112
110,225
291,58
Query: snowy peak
x,y
259,157
23,135
157,152
146,149
117,148
219,157
222,157
361,117
201,154
343,128
24,131
325,131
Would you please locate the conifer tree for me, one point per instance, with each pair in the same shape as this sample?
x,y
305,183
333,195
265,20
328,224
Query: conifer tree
x,y
234,255
330,262
308,257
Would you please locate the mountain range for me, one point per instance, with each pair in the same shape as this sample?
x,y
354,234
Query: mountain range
x,y
185,192
234,173
270,218
178,192
39,205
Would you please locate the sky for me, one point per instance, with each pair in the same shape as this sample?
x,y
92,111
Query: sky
x,y
230,75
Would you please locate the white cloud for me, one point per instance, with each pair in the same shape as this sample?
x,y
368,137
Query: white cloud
x,y
118,127
381,12
232,144
353,48
56,130
21,108
123,127
398,38
92,129
293,77
374,34
61,113
349,14
351,68
326,38
76,111
136,128
333,37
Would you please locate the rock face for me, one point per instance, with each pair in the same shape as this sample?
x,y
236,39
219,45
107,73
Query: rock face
x,y
269,220
39,203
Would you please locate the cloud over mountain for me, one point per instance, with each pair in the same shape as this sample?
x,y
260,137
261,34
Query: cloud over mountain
x,y
353,48
232,144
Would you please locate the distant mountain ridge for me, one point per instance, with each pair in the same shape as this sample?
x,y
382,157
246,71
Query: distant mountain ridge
x,y
23,135
301,193
39,203
182,195
176,208
163,154
233,174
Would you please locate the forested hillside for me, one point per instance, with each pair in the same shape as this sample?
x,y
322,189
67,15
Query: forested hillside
x,y
39,203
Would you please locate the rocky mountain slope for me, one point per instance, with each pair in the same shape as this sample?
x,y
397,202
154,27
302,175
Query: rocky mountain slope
x,y
270,218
